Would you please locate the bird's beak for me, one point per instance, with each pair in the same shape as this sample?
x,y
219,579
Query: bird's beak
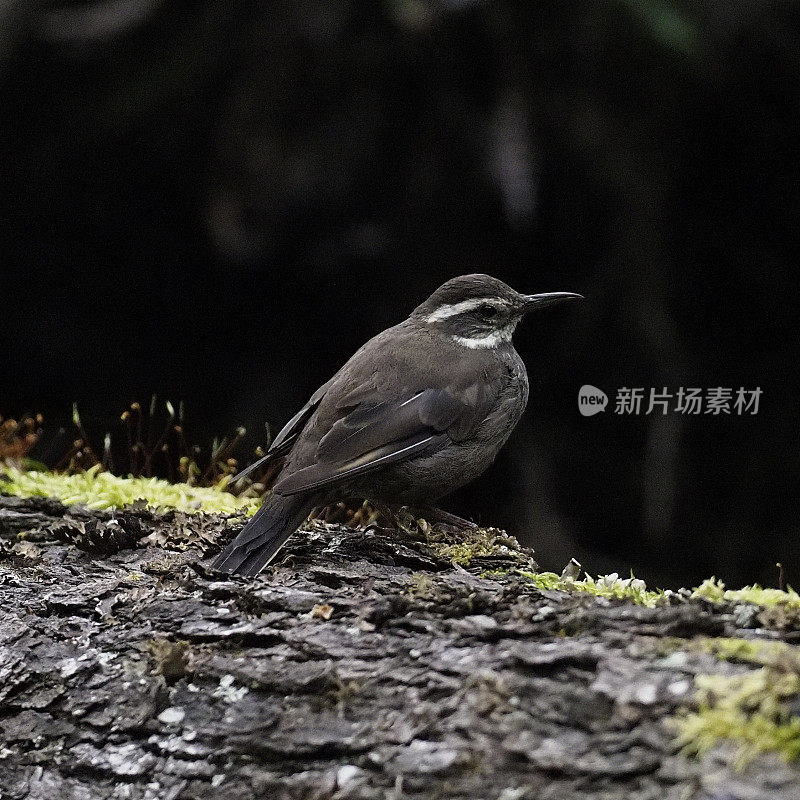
x,y
533,302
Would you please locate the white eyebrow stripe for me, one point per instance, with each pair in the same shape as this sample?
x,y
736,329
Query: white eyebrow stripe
x,y
452,310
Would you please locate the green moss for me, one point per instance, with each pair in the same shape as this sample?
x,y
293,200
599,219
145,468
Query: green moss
x,y
710,589
463,552
753,710
715,591
464,546
750,711
751,651
96,489
421,586
611,586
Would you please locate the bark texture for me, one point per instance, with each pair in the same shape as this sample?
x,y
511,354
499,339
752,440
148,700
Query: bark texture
x,y
363,665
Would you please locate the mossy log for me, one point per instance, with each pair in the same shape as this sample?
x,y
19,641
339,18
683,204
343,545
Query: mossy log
x,y
364,664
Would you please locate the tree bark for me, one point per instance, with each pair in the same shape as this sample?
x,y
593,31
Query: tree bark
x,y
363,665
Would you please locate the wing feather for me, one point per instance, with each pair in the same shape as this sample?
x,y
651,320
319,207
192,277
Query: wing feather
x,y
323,475
375,435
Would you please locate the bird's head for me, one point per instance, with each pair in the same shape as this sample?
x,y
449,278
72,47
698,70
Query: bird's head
x,y
479,311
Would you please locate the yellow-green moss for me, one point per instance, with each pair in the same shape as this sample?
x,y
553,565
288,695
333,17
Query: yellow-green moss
x,y
96,489
751,651
421,586
715,591
750,711
466,545
463,552
612,586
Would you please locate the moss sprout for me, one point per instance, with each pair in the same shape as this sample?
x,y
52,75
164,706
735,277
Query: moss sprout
x,y
96,489
612,586
715,591
489,546
463,552
750,711
752,651
755,711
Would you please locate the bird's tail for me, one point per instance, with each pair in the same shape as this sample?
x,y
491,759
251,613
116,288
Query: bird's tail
x,y
264,535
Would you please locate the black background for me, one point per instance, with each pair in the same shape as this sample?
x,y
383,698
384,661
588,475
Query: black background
x,y
220,201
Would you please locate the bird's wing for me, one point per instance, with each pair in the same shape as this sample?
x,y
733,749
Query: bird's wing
x,y
376,434
284,441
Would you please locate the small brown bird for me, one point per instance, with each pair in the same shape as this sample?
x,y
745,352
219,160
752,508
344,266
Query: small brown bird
x,y
419,411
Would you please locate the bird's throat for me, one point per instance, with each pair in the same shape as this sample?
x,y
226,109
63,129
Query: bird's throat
x,y
486,341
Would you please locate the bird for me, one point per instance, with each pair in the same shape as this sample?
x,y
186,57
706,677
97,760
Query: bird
x,y
417,412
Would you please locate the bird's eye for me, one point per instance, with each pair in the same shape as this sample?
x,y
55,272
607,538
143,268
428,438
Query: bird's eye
x,y
487,311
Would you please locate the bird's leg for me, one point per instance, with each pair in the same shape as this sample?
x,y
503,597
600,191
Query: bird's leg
x,y
407,518
386,515
437,516
373,513
331,513
403,519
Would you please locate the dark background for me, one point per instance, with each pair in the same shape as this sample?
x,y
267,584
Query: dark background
x,y
220,201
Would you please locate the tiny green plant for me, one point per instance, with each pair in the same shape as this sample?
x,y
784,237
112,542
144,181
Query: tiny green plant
x,y
147,442
611,586
751,711
96,489
714,590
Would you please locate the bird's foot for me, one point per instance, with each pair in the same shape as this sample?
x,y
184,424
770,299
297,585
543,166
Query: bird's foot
x,y
420,520
437,516
412,520
383,515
